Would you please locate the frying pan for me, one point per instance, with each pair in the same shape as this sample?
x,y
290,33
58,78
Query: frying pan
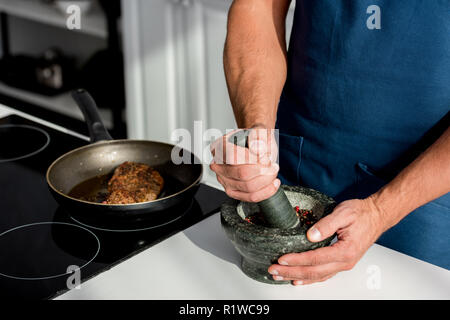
x,y
104,154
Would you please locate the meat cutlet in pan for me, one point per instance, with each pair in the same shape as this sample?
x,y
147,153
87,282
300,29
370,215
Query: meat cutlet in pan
x,y
134,182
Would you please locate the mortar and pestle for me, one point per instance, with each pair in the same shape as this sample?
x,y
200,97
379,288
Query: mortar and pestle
x,y
261,245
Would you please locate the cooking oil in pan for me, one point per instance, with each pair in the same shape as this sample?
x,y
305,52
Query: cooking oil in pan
x,y
93,190
96,189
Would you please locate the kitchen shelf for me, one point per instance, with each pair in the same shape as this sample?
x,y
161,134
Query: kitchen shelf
x,y
62,103
93,22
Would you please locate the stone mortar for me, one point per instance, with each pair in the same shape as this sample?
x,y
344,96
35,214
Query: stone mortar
x,y
261,246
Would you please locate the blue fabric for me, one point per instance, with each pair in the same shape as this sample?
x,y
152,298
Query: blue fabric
x,y
360,104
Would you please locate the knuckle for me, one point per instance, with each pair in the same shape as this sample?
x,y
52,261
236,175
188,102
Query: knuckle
x,y
245,187
272,190
219,178
351,214
315,260
264,170
310,275
229,192
267,171
289,273
242,173
254,197
249,187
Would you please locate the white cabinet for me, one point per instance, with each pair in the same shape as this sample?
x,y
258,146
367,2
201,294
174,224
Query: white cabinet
x,y
33,27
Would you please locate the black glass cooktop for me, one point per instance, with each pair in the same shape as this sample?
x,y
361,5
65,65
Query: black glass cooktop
x,y
43,249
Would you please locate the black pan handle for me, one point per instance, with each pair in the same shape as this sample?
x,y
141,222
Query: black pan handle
x,y
86,103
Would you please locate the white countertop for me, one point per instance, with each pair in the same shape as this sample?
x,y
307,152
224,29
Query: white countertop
x,y
201,263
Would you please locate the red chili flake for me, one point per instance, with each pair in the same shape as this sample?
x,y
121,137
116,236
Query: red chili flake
x,y
306,217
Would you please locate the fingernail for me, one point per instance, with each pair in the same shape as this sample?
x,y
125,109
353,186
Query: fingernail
x,y
298,282
283,263
258,146
276,183
277,277
274,271
314,234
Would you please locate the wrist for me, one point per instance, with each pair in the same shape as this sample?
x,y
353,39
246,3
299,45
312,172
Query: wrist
x,y
385,210
250,118
257,124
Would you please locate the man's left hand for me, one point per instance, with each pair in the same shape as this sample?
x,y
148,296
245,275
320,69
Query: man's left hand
x,y
357,223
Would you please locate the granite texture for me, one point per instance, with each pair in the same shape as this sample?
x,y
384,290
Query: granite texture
x,y
261,246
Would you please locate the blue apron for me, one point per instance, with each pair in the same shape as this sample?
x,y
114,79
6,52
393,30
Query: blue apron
x,y
368,89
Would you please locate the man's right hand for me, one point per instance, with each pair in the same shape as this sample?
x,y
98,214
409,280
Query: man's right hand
x,y
247,174
255,64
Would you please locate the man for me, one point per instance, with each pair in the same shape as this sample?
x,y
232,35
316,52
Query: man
x,y
363,117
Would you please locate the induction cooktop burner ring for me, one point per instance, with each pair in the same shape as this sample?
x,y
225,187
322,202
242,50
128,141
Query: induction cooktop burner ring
x,y
134,230
28,154
52,223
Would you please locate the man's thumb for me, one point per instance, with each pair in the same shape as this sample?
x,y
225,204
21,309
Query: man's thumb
x,y
324,228
257,141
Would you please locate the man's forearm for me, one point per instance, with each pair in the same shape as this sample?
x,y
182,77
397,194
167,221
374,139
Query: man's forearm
x,y
255,60
425,179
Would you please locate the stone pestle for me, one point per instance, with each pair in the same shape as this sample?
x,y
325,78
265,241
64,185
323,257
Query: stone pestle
x,y
276,210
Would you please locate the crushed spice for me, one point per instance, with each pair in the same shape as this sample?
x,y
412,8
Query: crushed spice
x,y
307,218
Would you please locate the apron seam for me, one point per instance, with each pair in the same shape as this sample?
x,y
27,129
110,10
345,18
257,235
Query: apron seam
x,y
300,160
437,205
